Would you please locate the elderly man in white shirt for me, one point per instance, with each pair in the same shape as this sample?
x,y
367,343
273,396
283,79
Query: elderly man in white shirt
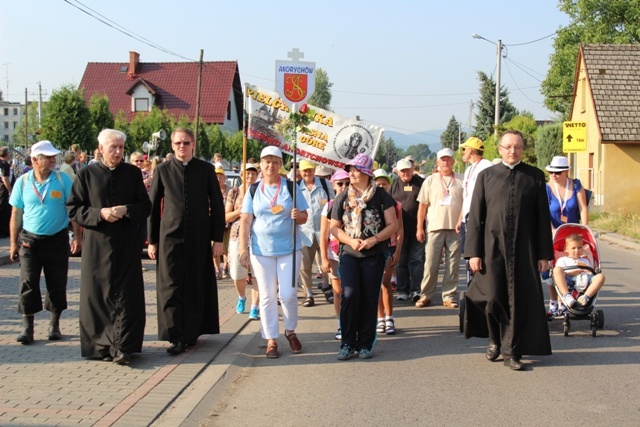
x,y
317,194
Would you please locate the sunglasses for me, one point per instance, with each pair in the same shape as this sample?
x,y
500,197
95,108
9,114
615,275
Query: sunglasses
x,y
342,183
139,161
555,173
182,143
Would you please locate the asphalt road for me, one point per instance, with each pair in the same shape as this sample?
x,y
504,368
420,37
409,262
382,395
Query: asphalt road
x,y
427,374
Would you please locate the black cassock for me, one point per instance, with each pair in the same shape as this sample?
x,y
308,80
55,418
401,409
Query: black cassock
x,y
112,307
187,214
509,228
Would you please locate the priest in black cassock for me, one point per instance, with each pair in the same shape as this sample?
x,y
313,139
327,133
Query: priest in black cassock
x,y
109,200
187,215
508,244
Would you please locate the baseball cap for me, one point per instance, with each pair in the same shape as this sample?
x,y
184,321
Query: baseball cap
x,y
445,152
306,164
250,166
44,148
271,151
381,173
220,171
473,142
403,164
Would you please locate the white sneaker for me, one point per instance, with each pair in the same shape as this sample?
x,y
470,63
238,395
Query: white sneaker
x,y
584,300
402,296
568,300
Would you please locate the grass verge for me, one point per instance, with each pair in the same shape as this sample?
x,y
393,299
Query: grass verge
x,y
624,224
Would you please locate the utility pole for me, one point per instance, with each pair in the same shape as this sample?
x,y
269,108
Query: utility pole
x,y
198,97
497,114
39,105
26,121
470,116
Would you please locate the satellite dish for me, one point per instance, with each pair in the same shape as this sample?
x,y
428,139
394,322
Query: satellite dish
x,y
145,147
161,135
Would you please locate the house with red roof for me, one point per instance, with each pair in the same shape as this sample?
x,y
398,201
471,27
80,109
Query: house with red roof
x,y
135,87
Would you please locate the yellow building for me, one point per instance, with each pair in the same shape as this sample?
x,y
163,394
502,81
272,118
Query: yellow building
x,y
606,95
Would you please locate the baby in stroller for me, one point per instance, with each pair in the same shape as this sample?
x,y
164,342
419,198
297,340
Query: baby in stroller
x,y
583,281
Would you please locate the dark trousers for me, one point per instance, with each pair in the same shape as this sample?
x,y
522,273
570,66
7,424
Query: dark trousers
x,y
410,268
5,212
51,254
360,279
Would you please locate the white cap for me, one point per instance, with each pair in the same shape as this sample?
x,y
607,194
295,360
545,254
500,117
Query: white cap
x,y
404,164
381,173
271,151
445,152
250,166
43,147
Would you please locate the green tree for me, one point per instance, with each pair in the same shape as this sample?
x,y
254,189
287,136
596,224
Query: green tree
x,y
322,96
419,152
101,117
453,134
143,126
33,131
526,124
485,117
67,120
592,21
388,153
548,143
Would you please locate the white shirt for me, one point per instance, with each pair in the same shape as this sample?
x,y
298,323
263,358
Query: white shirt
x,y
469,183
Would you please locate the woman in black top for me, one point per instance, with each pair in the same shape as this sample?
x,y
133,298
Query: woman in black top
x,y
363,219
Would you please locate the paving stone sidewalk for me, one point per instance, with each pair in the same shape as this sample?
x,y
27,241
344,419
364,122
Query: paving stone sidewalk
x,y
48,383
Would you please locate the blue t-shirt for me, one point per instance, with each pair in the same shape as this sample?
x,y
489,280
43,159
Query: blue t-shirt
x,y
46,217
272,234
571,210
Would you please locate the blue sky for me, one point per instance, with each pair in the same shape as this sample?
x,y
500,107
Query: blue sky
x,y
407,66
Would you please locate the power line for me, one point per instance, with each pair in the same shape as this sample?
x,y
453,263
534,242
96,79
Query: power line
x,y
124,30
516,83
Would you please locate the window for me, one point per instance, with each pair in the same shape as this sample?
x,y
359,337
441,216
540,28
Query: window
x,y
229,110
6,125
5,138
6,111
141,104
15,111
15,125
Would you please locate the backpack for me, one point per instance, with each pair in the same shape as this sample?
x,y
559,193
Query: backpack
x,y
588,193
254,187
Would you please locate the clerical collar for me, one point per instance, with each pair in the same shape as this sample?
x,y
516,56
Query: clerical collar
x,y
109,167
510,166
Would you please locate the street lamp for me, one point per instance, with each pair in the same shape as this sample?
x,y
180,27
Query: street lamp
x,y
499,59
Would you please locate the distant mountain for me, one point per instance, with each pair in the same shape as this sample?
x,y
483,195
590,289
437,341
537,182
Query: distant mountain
x,y
404,141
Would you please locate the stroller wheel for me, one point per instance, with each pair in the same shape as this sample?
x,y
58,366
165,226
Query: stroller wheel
x,y
600,314
594,330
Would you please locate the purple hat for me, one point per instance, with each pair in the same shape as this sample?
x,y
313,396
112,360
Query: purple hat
x,y
339,175
363,163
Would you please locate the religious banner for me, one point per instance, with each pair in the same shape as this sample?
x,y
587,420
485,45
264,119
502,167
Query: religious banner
x,y
330,139
295,80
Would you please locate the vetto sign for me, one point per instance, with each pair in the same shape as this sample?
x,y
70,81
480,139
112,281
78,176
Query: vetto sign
x,y
295,80
574,137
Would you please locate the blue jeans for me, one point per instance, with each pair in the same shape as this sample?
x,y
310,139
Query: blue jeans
x,y
410,268
360,279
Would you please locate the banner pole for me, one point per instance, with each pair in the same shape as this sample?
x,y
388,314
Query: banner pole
x,y
293,196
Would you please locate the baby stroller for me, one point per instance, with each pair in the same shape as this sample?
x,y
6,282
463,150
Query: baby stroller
x,y
576,312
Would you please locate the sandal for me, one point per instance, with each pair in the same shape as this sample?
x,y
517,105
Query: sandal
x,y
390,327
294,342
423,302
450,303
380,328
309,302
272,351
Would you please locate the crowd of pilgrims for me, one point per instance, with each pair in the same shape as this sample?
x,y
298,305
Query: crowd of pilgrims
x,y
369,235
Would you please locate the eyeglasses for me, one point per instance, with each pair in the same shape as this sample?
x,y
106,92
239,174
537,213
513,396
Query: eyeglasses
x,y
342,183
182,143
514,148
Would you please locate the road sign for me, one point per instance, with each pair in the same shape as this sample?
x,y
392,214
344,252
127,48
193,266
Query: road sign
x,y
295,80
574,137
